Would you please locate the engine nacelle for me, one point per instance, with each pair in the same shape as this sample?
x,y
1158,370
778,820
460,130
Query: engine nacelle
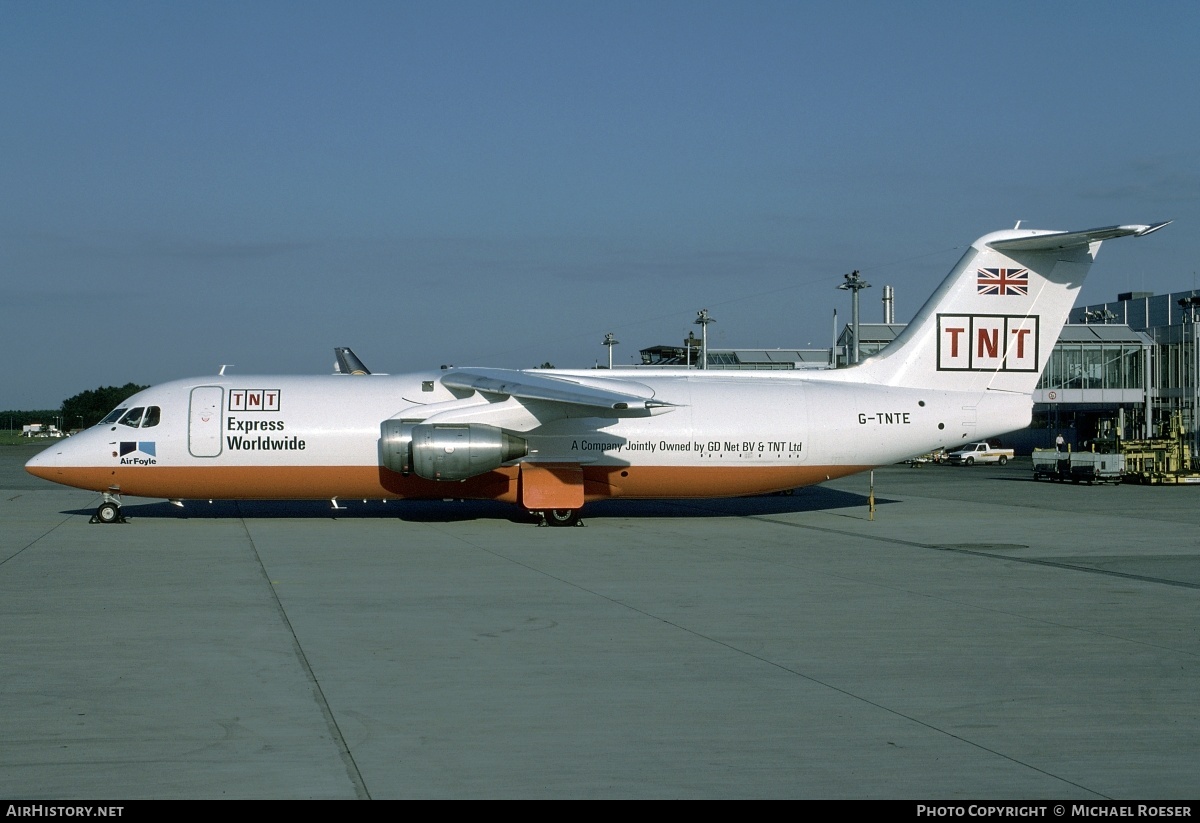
x,y
395,445
447,451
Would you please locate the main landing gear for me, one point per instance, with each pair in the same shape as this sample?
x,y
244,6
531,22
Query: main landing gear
x,y
560,517
109,511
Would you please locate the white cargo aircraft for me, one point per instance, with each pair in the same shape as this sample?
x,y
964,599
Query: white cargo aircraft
x,y
549,441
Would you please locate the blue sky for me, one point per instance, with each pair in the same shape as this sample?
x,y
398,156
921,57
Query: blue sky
x,y
186,185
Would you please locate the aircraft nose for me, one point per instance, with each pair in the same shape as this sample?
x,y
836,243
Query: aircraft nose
x,y
45,463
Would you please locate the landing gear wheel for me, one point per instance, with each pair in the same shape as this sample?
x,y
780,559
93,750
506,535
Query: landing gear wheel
x,y
561,517
108,512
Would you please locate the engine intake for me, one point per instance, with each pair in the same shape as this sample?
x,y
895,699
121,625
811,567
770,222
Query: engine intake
x,y
447,451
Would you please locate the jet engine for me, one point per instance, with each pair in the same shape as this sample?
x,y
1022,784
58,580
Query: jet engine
x,y
447,451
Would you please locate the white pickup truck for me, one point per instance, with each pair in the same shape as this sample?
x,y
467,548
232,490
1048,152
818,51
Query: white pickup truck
x,y
973,453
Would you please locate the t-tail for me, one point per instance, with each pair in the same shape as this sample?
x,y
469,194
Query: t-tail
x,y
993,322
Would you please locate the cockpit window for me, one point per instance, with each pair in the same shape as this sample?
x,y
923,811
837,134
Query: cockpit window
x,y
114,415
151,417
133,417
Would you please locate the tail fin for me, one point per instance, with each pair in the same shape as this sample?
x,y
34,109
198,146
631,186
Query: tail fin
x,y
348,362
994,320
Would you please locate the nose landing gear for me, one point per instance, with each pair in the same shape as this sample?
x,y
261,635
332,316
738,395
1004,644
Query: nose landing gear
x,y
109,511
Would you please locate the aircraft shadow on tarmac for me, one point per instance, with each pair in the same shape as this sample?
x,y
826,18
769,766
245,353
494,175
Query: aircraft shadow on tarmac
x,y
813,498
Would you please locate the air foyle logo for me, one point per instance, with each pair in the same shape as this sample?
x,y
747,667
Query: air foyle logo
x,y
130,456
146,447
254,400
987,342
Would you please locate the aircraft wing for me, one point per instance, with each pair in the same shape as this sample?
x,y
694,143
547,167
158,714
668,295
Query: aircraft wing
x,y
607,394
1071,239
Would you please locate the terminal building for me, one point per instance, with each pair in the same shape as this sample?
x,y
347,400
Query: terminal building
x,y
1122,369
1171,376
689,356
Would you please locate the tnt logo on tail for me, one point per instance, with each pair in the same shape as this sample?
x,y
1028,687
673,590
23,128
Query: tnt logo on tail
x,y
987,342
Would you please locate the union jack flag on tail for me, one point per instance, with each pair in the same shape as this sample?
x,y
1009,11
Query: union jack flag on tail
x,y
1004,281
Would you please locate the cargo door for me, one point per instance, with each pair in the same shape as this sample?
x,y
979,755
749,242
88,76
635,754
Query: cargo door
x,y
204,421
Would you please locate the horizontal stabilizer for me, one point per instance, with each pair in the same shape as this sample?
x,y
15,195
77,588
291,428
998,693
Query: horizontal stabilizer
x,y
1071,239
607,394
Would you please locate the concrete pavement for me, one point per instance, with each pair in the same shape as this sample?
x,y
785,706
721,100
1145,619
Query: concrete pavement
x,y
984,636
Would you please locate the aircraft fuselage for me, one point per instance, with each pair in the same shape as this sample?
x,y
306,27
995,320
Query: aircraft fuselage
x,y
728,434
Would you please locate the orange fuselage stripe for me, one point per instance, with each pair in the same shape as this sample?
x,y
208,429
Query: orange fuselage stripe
x,y
372,482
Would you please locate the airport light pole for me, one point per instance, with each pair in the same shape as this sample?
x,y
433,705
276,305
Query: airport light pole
x,y
609,342
702,320
854,284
